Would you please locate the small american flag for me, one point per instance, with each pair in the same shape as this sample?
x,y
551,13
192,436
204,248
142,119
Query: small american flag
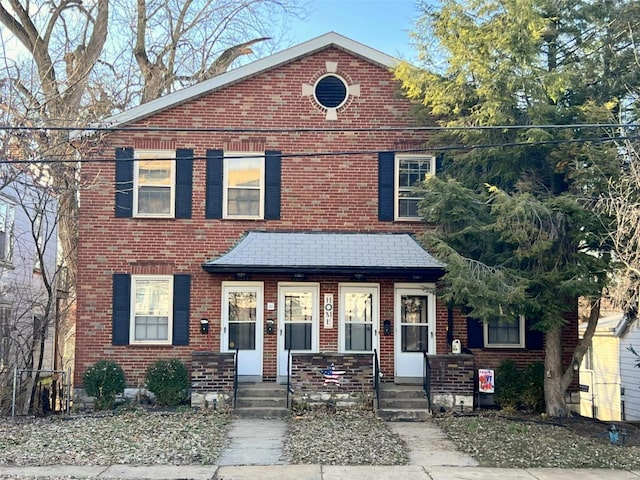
x,y
332,376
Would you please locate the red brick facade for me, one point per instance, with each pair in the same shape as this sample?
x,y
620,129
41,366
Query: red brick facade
x,y
335,192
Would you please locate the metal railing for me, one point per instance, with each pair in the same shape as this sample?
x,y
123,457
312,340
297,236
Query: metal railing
x,y
376,377
235,377
426,377
289,390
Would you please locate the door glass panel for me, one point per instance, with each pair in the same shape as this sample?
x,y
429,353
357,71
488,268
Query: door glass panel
x,y
414,323
242,320
298,320
358,320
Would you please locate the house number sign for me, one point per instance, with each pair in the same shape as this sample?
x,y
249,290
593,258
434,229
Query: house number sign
x,y
328,310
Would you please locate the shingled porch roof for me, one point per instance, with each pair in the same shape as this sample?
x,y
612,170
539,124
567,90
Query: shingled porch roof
x,y
329,253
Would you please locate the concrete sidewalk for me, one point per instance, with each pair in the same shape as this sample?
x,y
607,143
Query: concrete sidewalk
x,y
311,472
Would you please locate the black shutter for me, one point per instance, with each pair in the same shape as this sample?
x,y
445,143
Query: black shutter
x,y
124,182
181,304
475,333
213,202
534,339
121,307
386,195
439,160
272,180
184,182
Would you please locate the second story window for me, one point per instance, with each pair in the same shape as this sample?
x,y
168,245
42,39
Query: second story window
x,y
39,236
154,183
7,215
243,185
411,171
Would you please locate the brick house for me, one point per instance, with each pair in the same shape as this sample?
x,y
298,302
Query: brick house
x,y
265,211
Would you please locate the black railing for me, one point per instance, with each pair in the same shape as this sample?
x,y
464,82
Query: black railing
x,y
376,377
235,378
426,378
289,390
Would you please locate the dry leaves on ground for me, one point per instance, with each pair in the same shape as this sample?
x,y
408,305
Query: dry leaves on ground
x,y
343,438
499,441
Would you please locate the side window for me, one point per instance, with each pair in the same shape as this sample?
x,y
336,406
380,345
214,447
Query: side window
x,y
243,194
5,333
7,216
505,333
410,172
152,305
154,183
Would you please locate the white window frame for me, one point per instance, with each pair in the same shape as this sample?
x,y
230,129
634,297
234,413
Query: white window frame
x,y
229,157
146,154
6,257
521,344
396,182
132,326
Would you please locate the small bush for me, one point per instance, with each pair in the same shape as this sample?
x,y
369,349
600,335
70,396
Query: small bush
x,y
168,380
508,385
533,391
104,380
520,389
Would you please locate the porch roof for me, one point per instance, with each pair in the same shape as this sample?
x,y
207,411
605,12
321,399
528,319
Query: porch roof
x,y
328,253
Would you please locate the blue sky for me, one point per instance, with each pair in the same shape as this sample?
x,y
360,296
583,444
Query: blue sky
x,y
381,24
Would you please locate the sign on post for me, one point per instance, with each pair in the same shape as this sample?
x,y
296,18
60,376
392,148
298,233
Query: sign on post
x,y
486,380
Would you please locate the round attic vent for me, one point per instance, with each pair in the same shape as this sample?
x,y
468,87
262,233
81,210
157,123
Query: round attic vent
x,y
331,91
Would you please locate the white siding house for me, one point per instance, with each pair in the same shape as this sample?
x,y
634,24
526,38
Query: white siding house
x,y
28,259
609,380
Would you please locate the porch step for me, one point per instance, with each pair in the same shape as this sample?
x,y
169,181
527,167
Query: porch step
x,y
403,403
261,400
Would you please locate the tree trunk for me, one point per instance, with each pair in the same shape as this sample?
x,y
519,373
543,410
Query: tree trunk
x,y
553,384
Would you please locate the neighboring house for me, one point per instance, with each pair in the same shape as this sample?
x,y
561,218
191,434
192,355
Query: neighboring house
x,y
271,210
609,378
28,257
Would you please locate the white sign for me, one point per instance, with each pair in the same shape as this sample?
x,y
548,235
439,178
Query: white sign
x,y
486,381
328,310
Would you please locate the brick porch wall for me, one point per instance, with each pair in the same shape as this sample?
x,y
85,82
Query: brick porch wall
x,y
355,385
452,381
212,379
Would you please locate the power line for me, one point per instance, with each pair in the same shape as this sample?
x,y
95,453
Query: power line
x,y
426,149
106,128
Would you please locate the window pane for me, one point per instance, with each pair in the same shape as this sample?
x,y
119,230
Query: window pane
x,y
242,306
414,309
504,332
297,336
243,202
358,307
154,200
298,307
357,336
154,172
243,172
414,338
242,335
151,328
152,298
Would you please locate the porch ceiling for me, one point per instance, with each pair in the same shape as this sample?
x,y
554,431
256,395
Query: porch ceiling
x,y
328,253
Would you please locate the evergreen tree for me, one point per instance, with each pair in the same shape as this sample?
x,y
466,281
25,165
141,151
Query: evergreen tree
x,y
513,200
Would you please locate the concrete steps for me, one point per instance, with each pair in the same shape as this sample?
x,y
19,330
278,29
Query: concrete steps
x,y
403,403
261,400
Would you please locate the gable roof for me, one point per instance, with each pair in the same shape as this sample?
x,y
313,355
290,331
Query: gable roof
x,y
331,253
322,42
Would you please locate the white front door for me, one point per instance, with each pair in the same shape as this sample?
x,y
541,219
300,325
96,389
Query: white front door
x,y
298,321
358,318
242,315
415,313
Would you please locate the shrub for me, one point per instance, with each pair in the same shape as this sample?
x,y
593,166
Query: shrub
x,y
168,380
104,380
533,391
508,385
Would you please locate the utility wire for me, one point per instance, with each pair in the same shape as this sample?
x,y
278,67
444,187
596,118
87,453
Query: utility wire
x,y
426,149
106,128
